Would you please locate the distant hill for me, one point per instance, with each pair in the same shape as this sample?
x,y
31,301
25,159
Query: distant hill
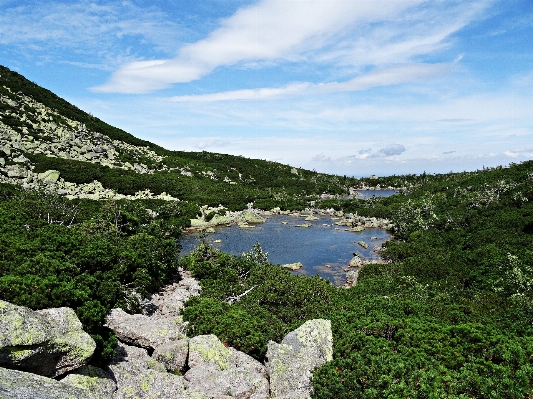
x,y
47,142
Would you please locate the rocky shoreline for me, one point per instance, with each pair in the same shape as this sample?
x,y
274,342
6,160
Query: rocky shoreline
x,y
154,357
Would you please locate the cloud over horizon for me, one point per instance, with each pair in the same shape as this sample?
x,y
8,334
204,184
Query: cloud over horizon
x,y
299,31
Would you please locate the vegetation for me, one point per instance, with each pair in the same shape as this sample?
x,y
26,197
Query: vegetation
x,y
450,315
91,256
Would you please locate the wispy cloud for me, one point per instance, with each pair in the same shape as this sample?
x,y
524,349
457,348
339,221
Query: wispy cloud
x,y
377,78
292,31
101,30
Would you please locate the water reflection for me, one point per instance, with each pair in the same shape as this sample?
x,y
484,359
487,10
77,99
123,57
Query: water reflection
x,y
324,248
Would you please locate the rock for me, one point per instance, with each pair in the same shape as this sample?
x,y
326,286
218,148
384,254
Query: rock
x,y
144,331
139,376
293,266
311,218
291,362
173,354
50,176
47,342
351,277
250,217
356,261
304,225
363,244
2,161
217,371
16,171
21,385
5,150
356,229
21,159
93,379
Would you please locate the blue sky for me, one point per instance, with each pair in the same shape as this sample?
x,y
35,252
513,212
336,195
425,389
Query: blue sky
x,y
352,87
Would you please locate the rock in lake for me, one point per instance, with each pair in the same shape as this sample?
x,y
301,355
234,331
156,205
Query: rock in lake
x,y
293,266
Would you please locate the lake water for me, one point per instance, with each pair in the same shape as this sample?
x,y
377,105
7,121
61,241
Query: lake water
x,y
317,246
375,193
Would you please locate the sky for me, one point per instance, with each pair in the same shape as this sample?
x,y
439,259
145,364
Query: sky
x,y
351,87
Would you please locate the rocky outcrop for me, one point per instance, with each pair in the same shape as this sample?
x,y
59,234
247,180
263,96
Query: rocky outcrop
x,y
145,331
290,363
218,371
16,384
47,342
139,376
93,379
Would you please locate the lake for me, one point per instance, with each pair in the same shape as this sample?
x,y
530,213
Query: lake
x,y
324,243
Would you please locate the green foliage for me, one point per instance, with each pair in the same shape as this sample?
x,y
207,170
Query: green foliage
x,y
247,301
87,255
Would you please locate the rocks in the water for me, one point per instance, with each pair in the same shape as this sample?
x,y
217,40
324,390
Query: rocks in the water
x,y
250,217
218,371
293,266
93,379
363,244
356,261
145,331
47,342
16,384
311,218
291,362
304,225
356,229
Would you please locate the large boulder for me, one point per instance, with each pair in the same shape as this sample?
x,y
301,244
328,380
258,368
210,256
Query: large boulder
x,y
50,176
48,342
250,217
217,371
291,362
145,331
139,376
93,379
16,384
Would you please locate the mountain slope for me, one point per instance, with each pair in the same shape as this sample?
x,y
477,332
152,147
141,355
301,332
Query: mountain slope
x,y
41,133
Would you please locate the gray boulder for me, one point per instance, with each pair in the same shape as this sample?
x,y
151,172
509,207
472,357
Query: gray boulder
x,y
93,379
49,176
47,342
139,376
291,362
16,171
173,354
217,371
20,385
145,331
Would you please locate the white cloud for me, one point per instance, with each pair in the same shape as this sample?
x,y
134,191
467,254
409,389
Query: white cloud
x,y
377,78
336,32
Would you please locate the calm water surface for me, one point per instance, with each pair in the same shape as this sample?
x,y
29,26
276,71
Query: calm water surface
x,y
317,246
375,193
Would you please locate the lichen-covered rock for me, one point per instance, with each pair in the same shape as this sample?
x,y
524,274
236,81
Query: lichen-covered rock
x,y
218,371
293,266
49,176
47,342
250,217
139,376
173,354
21,385
363,244
93,379
145,331
291,362
356,261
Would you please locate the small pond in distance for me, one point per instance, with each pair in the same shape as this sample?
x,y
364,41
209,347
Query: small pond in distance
x,y
324,243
